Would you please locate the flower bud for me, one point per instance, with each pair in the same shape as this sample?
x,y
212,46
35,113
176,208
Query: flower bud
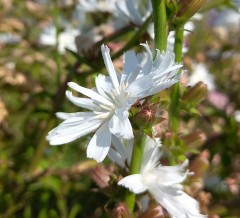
x,y
101,176
195,139
145,118
199,166
195,94
186,9
154,211
117,209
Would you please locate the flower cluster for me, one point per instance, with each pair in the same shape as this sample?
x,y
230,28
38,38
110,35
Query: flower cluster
x,y
108,106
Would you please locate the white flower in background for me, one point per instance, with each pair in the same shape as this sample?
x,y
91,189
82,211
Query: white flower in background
x,y
66,39
110,101
98,5
9,38
163,183
135,11
227,18
201,73
237,115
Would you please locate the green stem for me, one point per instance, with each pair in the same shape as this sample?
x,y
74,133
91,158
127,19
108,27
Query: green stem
x,y
135,165
160,24
175,95
178,45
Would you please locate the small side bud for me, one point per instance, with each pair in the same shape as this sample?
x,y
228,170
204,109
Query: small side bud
x,y
154,211
195,94
199,166
195,139
117,209
101,176
186,9
146,118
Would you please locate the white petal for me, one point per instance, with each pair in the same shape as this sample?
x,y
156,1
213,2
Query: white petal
x,y
120,147
151,155
130,67
133,183
81,102
89,93
71,129
100,144
104,85
65,116
109,66
121,127
140,87
133,13
179,206
115,157
169,175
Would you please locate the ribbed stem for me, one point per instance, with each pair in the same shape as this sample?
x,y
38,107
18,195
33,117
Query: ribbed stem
x,y
175,95
160,24
135,165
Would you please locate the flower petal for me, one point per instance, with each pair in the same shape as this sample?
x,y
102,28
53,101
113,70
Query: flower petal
x,y
115,157
71,129
179,206
130,67
140,87
104,85
81,102
170,175
121,127
133,183
90,93
120,147
100,143
109,65
65,116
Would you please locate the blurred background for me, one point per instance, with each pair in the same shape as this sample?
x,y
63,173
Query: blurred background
x,y
45,44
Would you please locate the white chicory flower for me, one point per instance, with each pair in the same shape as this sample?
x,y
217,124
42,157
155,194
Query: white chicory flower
x,y
110,101
66,39
163,183
98,5
200,72
135,11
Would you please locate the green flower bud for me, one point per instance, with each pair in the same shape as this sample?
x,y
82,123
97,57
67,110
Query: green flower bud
x,y
145,118
194,95
186,9
199,166
195,139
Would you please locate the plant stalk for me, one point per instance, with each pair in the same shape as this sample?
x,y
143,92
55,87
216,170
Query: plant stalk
x,y
175,95
160,24
135,165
